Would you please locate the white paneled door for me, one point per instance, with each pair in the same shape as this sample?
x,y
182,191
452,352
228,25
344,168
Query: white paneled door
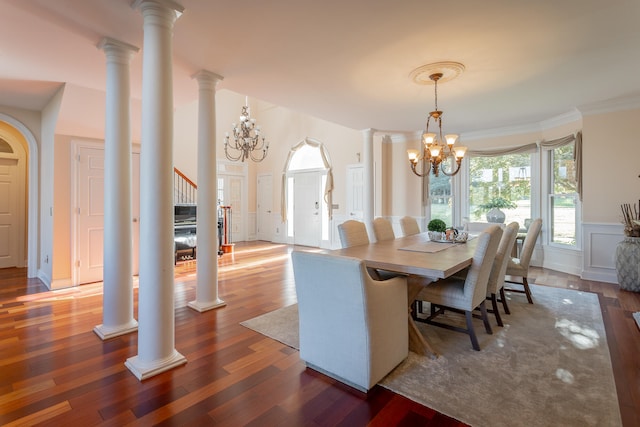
x,y
264,207
9,212
307,209
89,213
355,191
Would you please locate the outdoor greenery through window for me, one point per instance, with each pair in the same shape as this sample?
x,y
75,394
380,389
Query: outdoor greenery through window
x,y
563,197
503,182
440,198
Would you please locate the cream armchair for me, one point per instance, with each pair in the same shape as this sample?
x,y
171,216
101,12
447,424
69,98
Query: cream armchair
x,y
352,328
465,295
409,225
383,230
520,266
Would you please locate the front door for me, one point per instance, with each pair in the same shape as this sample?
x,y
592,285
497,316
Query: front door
x,y
307,205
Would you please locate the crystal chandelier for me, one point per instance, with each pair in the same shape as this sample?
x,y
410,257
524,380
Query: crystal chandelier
x,y
438,153
247,141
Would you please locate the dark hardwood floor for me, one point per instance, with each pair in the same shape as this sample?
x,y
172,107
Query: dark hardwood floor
x,y
55,371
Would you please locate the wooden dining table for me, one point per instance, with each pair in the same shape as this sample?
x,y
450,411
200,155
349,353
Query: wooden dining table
x,y
423,261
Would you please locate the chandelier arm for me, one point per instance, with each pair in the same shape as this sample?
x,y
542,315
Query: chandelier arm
x,y
458,162
230,156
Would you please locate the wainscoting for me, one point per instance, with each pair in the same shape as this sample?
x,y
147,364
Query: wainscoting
x,y
599,244
594,262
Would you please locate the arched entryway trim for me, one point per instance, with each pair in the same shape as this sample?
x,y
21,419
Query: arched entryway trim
x,y
32,216
328,191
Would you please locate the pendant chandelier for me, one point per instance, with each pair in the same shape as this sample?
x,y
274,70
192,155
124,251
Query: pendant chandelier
x,y
439,153
247,142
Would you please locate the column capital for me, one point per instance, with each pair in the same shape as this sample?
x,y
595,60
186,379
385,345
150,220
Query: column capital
x,y
368,133
155,6
207,79
117,50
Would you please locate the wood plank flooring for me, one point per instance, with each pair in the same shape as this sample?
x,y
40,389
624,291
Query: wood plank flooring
x,y
55,371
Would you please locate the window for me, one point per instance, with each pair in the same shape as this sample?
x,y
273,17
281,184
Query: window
x,y
441,204
5,147
506,176
563,197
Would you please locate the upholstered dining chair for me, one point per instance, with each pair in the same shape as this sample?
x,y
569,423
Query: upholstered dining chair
x,y
495,284
519,267
353,233
465,295
352,328
409,225
383,230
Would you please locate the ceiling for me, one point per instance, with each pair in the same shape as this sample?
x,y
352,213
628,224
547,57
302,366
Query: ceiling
x,y
347,62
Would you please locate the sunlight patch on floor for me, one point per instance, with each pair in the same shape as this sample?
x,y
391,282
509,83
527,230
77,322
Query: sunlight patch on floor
x,y
580,336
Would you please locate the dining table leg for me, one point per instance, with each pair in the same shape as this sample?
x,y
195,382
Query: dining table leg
x,y
417,342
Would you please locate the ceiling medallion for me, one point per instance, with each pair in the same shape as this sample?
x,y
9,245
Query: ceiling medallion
x,y
449,70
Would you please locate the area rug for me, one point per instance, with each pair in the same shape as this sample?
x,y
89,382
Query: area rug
x,y
548,366
636,317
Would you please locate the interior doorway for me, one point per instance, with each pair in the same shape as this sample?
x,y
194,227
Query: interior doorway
x,y
13,236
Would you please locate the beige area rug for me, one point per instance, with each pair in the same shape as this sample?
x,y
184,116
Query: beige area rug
x,y
549,365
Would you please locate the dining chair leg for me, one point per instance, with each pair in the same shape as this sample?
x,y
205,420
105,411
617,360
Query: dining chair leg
x,y
527,291
503,300
485,319
494,308
471,331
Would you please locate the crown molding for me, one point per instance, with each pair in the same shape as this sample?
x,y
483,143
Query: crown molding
x,y
629,102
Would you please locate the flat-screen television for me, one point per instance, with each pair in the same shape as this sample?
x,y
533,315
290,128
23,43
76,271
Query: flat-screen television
x,y
184,214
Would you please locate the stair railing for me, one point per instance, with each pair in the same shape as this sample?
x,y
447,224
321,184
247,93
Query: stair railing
x,y
184,190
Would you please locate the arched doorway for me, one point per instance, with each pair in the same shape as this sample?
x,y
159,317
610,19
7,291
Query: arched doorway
x,y
13,159
16,134
306,189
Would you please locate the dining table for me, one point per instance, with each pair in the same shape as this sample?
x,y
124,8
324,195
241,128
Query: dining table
x,y
423,261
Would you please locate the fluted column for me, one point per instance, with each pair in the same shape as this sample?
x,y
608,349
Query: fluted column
x,y
367,161
156,330
117,301
207,218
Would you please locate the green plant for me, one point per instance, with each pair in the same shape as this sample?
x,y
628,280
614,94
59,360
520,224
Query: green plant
x,y
437,225
498,202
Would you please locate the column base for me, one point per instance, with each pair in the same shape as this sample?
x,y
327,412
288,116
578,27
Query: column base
x,y
143,370
106,332
200,306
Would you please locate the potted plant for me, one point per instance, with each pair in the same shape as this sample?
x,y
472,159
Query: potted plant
x,y
628,251
493,206
437,229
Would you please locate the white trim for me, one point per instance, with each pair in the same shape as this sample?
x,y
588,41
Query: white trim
x,y
34,201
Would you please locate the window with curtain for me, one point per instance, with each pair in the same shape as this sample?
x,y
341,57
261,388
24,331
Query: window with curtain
x,y
506,176
563,195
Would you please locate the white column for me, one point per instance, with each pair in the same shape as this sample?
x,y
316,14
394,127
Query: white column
x,y
156,331
117,302
367,161
207,218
